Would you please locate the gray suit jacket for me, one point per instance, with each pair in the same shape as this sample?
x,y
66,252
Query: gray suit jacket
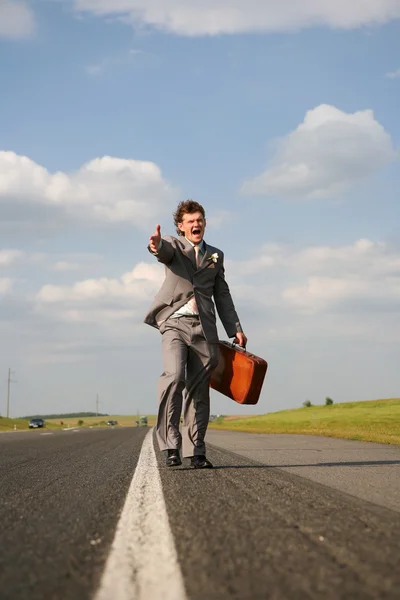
x,y
183,278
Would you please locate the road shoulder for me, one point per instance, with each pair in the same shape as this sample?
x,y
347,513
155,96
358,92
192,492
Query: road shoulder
x,y
365,470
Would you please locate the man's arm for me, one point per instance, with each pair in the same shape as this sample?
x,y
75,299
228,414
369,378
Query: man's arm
x,y
226,309
160,248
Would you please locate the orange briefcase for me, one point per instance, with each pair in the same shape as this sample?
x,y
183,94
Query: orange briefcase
x,y
239,374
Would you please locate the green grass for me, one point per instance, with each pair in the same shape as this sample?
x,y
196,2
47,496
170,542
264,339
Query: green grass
x,y
123,420
19,424
370,421
10,424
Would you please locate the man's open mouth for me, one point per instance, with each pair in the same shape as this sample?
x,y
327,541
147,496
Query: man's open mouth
x,y
196,231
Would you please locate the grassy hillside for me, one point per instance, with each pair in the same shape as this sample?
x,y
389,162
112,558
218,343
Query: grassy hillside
x,y
372,421
10,424
100,421
20,424
76,415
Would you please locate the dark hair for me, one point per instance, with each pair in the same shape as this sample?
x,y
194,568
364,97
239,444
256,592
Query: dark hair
x,y
186,207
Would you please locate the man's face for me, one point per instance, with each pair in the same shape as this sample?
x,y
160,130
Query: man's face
x,y
193,226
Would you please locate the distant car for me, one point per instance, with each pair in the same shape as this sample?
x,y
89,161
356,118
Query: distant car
x,y
112,423
35,423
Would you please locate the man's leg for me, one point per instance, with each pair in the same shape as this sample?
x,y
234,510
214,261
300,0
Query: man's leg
x,y
202,360
170,388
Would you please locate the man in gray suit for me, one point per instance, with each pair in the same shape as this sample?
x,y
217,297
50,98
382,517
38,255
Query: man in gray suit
x,y
183,311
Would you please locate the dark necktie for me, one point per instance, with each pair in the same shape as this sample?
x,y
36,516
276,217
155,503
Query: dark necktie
x,y
192,305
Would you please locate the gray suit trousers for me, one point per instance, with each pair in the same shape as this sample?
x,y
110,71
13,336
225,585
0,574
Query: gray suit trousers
x,y
188,362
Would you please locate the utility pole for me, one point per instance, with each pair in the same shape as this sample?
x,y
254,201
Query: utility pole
x,y
97,405
9,381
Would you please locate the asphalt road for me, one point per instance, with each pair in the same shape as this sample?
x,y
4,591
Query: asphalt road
x,y
365,470
60,500
246,530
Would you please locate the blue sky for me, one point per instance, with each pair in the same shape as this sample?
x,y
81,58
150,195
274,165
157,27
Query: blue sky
x,y
283,123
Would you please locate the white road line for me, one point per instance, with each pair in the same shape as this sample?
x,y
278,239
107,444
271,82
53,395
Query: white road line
x,y
143,564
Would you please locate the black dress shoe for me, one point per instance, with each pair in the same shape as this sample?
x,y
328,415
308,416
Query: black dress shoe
x,y
173,458
201,462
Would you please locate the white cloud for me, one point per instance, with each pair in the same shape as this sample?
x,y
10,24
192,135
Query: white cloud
x,y
330,292
362,256
393,74
113,306
345,290
212,17
37,261
323,293
137,286
366,275
5,285
361,277
328,152
63,262
303,308
105,190
9,257
16,19
220,218
63,265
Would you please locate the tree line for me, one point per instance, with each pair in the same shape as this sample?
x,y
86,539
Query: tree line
x,y
66,415
328,402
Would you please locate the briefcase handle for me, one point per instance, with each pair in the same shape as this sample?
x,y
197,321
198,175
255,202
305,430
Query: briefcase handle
x,y
238,347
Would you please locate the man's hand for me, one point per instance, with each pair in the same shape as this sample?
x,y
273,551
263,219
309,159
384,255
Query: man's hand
x,y
155,240
241,340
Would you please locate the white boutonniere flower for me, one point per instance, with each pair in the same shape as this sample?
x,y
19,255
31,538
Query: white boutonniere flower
x,y
214,257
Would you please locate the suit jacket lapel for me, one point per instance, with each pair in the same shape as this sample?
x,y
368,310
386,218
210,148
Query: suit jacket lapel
x,y
188,251
205,260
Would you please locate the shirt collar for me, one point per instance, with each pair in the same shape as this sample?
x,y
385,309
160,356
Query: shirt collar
x,y
201,245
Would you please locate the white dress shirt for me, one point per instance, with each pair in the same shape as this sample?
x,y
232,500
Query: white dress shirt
x,y
187,308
